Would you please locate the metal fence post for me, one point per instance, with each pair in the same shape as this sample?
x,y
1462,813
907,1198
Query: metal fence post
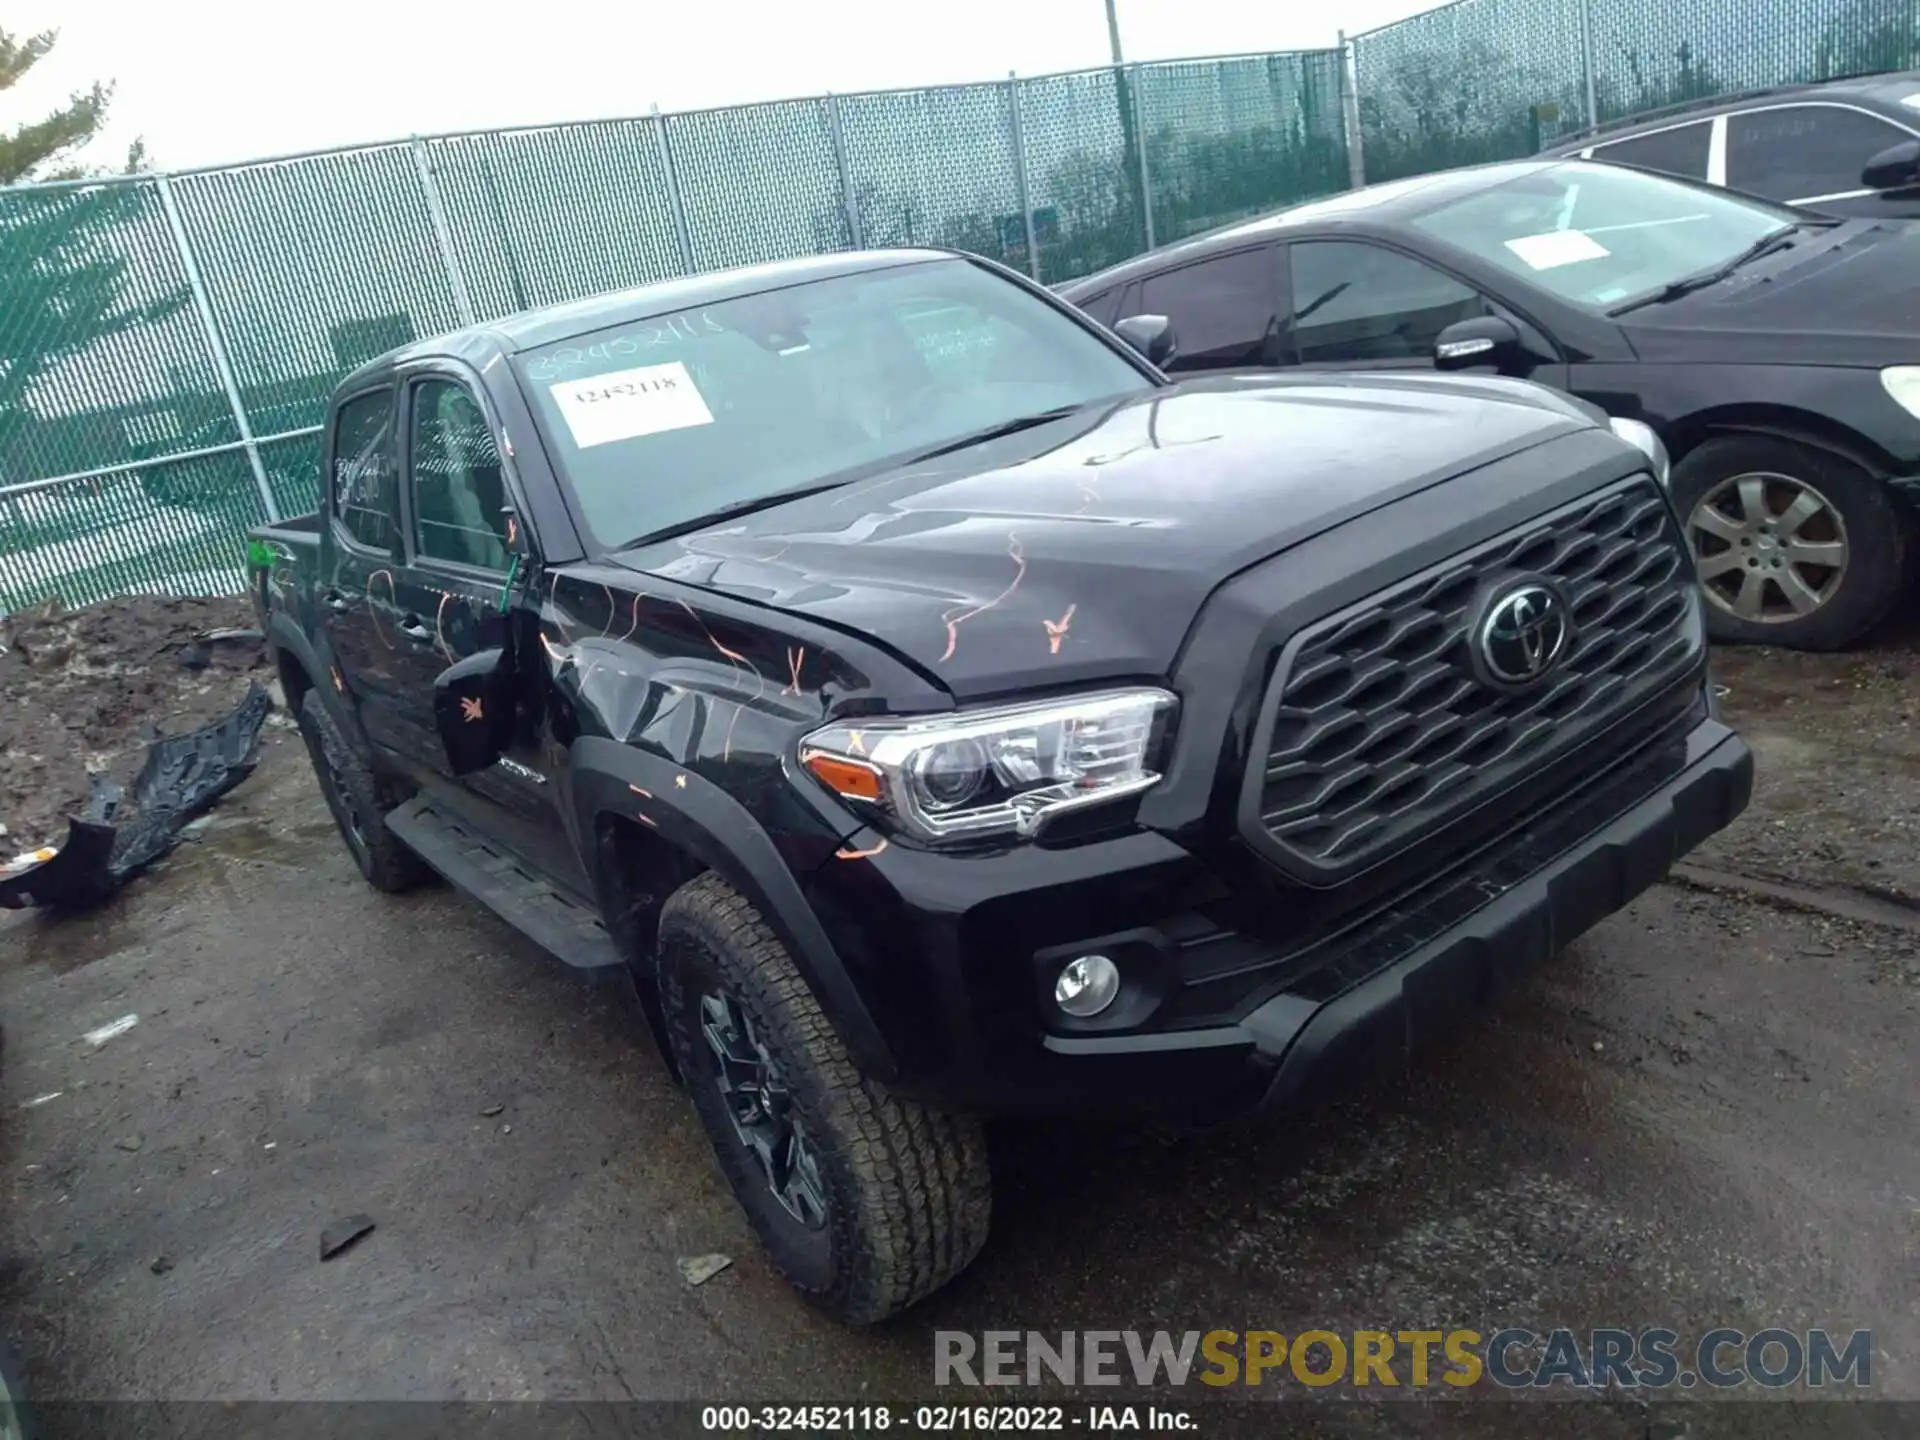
x,y
216,347
1140,131
442,232
673,191
1350,113
1586,63
1018,119
855,230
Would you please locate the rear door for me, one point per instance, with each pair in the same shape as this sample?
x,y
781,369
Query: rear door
x,y
357,588
1225,310
1688,150
462,542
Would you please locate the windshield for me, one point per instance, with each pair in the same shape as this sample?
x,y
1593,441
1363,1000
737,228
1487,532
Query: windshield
x,y
1601,234
657,423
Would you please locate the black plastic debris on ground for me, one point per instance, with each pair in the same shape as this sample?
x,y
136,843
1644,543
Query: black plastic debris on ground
x,y
342,1233
182,776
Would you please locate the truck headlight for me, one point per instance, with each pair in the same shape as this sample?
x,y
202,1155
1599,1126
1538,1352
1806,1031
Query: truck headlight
x,y
1902,382
1642,438
993,772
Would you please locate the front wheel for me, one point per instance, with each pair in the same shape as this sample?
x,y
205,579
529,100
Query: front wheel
x,y
865,1202
1795,545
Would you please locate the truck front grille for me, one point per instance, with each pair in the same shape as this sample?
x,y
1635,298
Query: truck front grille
x,y
1377,732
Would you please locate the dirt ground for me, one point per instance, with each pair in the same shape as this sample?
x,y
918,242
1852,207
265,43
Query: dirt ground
x,y
78,689
1701,1115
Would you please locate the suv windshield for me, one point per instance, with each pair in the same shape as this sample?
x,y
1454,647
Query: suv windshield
x,y
1602,234
660,422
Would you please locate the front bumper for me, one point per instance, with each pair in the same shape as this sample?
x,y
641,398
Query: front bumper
x,y
1371,1029
956,956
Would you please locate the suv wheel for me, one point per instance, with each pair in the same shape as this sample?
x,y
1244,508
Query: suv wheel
x,y
359,802
865,1202
1795,545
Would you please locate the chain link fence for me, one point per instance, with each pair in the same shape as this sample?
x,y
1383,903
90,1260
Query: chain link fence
x,y
1483,80
167,344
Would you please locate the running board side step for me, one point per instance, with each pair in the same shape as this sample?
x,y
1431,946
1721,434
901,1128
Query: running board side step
x,y
564,928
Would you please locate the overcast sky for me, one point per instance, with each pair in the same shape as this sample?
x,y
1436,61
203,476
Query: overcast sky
x,y
208,81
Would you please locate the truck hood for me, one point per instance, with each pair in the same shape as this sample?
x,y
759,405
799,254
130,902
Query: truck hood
x,y
1848,296
1083,550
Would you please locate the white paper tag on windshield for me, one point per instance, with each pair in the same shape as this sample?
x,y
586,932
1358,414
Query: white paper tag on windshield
x,y
1557,247
600,409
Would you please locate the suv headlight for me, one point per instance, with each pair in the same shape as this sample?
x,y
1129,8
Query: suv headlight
x,y
1642,438
1902,382
998,772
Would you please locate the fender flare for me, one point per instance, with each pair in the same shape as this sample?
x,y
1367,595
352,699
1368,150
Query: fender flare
x,y
283,633
708,824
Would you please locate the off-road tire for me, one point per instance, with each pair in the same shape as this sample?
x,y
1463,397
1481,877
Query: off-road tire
x,y
1876,536
908,1193
359,801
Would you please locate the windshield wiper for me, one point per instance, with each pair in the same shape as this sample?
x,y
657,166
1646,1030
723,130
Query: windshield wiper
x,y
1766,245
729,512
993,432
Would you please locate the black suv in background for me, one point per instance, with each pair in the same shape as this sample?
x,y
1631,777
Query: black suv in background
x,y
940,714
1805,145
1776,352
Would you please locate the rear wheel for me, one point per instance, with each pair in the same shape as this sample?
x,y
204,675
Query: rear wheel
x,y
1796,546
359,801
865,1202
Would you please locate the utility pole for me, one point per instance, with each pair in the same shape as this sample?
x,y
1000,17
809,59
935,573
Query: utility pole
x,y
1133,143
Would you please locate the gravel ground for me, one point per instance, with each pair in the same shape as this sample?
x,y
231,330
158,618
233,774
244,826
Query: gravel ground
x,y
1701,1115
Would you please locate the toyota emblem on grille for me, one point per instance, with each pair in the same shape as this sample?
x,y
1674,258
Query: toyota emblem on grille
x,y
1523,633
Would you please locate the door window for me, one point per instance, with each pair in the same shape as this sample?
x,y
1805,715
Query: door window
x,y
363,469
1102,306
459,493
1804,152
1681,150
1358,302
1222,309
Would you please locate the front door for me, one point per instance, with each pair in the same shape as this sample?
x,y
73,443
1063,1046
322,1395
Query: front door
x,y
1361,306
460,554
1811,154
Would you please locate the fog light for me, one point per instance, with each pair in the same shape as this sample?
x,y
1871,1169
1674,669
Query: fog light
x,y
1086,986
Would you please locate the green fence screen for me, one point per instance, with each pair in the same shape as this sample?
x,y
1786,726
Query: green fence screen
x,y
167,343
1485,80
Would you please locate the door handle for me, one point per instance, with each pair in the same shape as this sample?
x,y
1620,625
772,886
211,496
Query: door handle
x,y
414,628
336,602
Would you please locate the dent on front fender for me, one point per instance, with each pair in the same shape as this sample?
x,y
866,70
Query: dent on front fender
x,y
684,720
710,693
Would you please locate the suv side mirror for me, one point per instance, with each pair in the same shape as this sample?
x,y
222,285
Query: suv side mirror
x,y
1895,168
1467,344
473,710
1151,335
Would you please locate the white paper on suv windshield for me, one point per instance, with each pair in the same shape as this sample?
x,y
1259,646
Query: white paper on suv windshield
x,y
1555,248
600,409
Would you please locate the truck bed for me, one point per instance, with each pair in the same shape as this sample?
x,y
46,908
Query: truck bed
x,y
300,530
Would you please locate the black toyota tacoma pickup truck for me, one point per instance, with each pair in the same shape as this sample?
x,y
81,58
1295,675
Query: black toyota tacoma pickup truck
x,y
941,714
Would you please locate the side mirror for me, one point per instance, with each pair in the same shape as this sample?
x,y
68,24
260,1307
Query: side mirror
x,y
473,710
1895,168
1469,344
1151,335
